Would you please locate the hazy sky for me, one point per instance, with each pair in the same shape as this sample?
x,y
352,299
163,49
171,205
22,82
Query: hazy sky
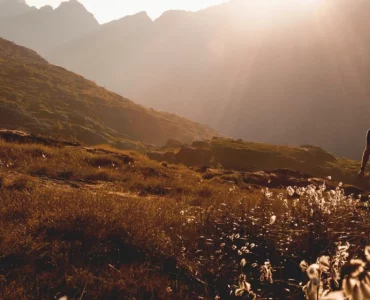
x,y
106,10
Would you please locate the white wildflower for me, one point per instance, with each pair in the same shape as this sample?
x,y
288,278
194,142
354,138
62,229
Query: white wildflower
x,y
243,262
313,271
324,263
367,253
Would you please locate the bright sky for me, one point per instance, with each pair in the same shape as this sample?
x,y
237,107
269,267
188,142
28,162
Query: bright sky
x,y
107,10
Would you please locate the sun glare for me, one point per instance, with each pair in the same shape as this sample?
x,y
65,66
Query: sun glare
x,y
262,10
310,2
282,3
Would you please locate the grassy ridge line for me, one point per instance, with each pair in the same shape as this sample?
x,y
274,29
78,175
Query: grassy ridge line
x,y
253,157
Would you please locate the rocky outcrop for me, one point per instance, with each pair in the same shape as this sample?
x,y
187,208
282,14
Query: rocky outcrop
x,y
172,144
17,136
293,163
162,156
193,156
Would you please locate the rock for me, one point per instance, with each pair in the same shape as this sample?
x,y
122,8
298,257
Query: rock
x,y
194,157
16,136
168,157
318,154
257,178
173,144
288,173
201,144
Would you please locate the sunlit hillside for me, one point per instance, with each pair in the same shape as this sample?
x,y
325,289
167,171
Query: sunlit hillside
x,y
43,98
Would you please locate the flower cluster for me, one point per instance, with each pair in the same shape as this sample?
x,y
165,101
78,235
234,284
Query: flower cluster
x,y
239,240
266,272
324,277
244,288
356,282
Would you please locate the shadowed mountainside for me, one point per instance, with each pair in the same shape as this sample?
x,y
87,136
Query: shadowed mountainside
x,y
43,98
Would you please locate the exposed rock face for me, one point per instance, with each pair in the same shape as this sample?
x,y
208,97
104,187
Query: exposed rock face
x,y
194,157
162,156
172,143
17,136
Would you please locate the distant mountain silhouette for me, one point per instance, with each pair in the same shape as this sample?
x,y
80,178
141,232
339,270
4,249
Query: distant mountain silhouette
x,y
292,73
12,8
262,71
45,29
42,98
118,42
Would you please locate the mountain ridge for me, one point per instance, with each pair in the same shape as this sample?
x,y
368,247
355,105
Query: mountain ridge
x,y
47,99
46,28
247,60
11,8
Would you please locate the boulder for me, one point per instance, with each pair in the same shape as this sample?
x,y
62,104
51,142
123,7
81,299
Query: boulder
x,y
194,157
168,157
173,144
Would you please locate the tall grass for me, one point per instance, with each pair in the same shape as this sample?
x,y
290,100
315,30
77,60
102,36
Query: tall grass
x,y
148,231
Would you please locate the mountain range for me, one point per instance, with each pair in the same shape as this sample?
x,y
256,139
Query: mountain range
x,y
286,72
44,29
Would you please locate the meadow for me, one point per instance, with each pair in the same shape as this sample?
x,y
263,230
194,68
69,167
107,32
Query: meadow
x,y
101,223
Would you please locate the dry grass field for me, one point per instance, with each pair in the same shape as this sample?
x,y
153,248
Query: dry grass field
x,y
101,223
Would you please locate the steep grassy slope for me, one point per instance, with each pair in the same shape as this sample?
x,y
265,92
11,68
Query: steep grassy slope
x,y
99,223
47,99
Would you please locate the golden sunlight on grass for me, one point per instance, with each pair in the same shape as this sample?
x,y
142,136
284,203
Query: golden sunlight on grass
x,y
100,223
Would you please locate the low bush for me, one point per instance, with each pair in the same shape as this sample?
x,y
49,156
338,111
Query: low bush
x,y
22,182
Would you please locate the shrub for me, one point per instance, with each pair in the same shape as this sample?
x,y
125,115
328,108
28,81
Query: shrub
x,y
66,175
21,183
104,161
102,175
205,192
